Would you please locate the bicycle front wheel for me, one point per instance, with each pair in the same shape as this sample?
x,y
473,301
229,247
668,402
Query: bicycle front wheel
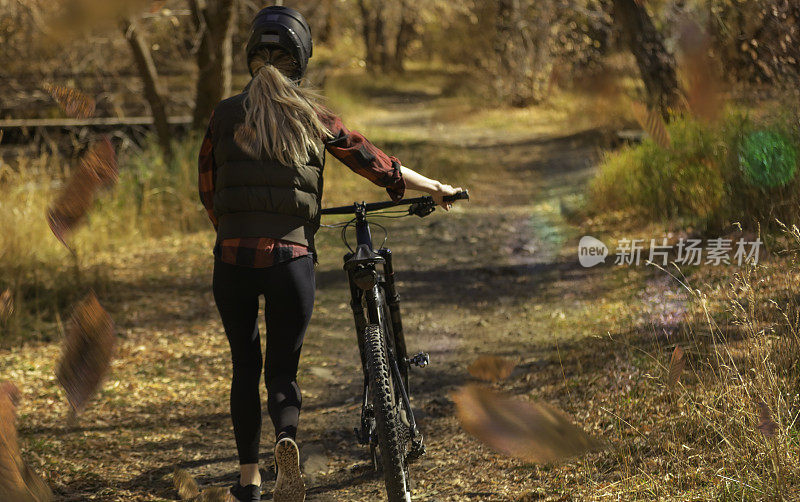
x,y
387,421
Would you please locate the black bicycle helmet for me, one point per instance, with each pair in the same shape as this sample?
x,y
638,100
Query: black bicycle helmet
x,y
285,28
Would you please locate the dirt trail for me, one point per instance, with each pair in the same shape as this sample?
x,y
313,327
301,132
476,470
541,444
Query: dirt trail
x,y
495,276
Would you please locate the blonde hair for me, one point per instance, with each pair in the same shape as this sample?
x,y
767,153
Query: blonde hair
x,y
282,117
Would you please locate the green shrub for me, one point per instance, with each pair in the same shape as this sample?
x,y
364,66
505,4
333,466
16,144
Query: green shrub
x,y
740,170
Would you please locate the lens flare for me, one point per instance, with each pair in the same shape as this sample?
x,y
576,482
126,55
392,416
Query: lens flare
x,y
768,159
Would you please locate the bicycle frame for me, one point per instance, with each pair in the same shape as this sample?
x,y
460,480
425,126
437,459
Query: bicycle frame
x,y
367,282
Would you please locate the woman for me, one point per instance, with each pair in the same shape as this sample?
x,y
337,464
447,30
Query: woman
x,y
261,181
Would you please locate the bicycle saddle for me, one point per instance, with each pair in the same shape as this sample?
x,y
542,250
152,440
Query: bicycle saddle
x,y
363,256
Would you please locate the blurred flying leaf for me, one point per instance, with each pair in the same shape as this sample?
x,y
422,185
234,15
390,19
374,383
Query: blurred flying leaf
x,y
185,484
653,123
35,485
533,432
6,305
87,351
18,482
11,482
491,368
9,390
73,102
70,207
676,365
704,88
245,137
100,163
98,169
766,424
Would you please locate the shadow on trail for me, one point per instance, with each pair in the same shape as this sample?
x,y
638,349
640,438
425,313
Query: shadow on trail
x,y
206,420
476,285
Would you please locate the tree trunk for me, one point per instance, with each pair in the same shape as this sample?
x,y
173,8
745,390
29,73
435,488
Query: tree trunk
x,y
367,34
376,56
216,19
405,33
152,86
656,65
328,31
380,36
511,46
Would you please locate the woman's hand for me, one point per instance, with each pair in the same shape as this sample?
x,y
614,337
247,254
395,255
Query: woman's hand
x,y
441,192
438,191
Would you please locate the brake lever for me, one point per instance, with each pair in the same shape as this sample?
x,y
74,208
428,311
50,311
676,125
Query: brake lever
x,y
422,209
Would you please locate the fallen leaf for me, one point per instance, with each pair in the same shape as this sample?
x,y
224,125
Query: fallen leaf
x,y
491,368
534,432
87,352
185,484
676,365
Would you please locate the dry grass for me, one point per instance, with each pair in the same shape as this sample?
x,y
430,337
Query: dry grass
x,y
716,420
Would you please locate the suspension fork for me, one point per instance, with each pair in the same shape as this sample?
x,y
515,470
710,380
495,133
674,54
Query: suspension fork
x,y
364,433
393,302
359,316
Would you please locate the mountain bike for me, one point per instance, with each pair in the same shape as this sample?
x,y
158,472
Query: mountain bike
x,y
387,420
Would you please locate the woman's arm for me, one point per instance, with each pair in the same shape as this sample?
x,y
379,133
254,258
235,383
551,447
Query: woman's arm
x,y
437,190
364,158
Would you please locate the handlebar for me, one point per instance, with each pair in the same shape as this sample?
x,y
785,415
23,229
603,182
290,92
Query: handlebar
x,y
426,200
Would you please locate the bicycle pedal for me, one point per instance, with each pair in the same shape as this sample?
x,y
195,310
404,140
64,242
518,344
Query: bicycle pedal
x,y
420,360
416,451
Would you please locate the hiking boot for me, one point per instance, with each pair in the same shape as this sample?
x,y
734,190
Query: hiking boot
x,y
249,493
289,486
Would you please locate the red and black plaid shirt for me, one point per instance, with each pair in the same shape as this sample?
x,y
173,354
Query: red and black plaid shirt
x,y
350,147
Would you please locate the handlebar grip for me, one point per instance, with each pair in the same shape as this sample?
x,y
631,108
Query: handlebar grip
x,y
459,196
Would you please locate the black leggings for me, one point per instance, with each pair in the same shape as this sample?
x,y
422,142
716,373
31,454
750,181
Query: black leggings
x,y
289,292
